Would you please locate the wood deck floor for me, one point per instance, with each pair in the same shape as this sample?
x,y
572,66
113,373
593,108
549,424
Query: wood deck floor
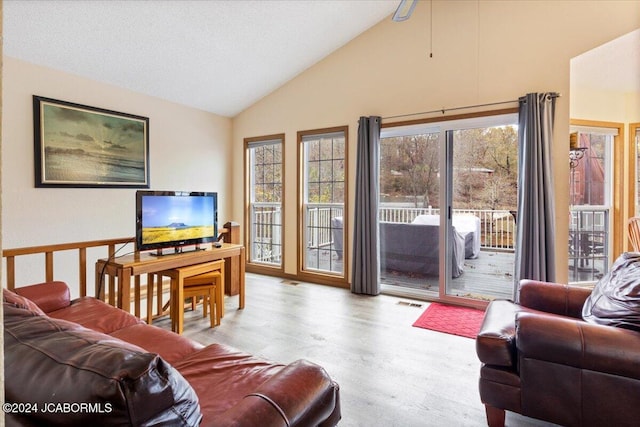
x,y
488,276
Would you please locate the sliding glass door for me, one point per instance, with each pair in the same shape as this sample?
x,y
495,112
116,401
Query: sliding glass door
x,y
410,194
448,208
483,171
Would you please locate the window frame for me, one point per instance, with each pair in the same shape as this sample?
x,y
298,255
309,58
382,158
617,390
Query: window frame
x,y
252,266
622,200
318,276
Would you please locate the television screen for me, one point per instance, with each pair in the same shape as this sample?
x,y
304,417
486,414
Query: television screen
x,y
173,219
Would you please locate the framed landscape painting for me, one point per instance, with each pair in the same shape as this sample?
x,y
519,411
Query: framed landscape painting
x,y
80,146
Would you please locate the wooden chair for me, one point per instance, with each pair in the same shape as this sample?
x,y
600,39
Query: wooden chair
x,y
209,300
205,280
634,232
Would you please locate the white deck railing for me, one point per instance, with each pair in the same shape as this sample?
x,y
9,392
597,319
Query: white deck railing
x,y
266,233
588,243
318,225
497,226
498,229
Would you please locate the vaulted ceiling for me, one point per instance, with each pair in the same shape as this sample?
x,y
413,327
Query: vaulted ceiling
x,y
222,56
218,56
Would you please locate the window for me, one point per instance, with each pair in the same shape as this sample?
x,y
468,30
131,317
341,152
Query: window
x,y
265,189
591,195
323,194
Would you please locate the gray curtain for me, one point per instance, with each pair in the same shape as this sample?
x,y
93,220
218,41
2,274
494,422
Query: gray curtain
x,y
365,277
535,250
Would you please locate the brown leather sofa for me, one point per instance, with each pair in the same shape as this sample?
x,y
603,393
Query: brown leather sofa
x,y
84,362
540,359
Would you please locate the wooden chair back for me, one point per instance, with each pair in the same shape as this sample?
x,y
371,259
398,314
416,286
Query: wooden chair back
x,y
634,232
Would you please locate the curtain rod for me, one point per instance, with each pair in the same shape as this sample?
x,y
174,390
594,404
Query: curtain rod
x,y
444,110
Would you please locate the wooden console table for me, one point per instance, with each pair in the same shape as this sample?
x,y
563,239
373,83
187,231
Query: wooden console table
x,y
128,266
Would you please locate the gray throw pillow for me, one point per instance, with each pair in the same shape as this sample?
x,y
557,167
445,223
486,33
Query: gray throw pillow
x,y
615,300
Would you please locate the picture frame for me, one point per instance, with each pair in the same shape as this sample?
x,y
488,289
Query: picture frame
x,y
87,147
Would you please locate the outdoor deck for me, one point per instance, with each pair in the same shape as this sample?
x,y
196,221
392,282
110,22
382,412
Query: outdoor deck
x,y
486,277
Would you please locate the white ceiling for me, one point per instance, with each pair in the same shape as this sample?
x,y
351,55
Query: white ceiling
x,y
221,55
614,65
218,56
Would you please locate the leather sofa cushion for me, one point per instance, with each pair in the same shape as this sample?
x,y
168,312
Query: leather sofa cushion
x,y
168,345
52,361
615,300
96,315
20,301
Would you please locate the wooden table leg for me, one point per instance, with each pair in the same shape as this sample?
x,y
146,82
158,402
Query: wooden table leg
x,y
232,269
220,291
150,286
124,290
180,303
172,301
241,277
99,290
113,300
160,291
136,296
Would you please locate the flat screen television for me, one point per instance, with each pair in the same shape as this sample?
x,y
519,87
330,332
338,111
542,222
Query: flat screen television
x,y
175,219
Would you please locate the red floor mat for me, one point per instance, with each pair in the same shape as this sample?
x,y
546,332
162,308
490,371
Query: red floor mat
x,y
450,319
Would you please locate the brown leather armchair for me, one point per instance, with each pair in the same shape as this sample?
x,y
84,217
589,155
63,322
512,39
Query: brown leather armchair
x,y
540,359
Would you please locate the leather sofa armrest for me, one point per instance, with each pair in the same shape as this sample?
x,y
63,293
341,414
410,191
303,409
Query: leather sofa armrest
x,y
251,410
302,394
49,296
579,344
495,342
556,298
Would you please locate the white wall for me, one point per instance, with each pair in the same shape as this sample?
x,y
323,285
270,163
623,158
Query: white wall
x,y
188,150
483,52
605,105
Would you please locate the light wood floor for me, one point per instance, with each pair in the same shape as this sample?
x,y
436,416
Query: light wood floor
x,y
390,373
